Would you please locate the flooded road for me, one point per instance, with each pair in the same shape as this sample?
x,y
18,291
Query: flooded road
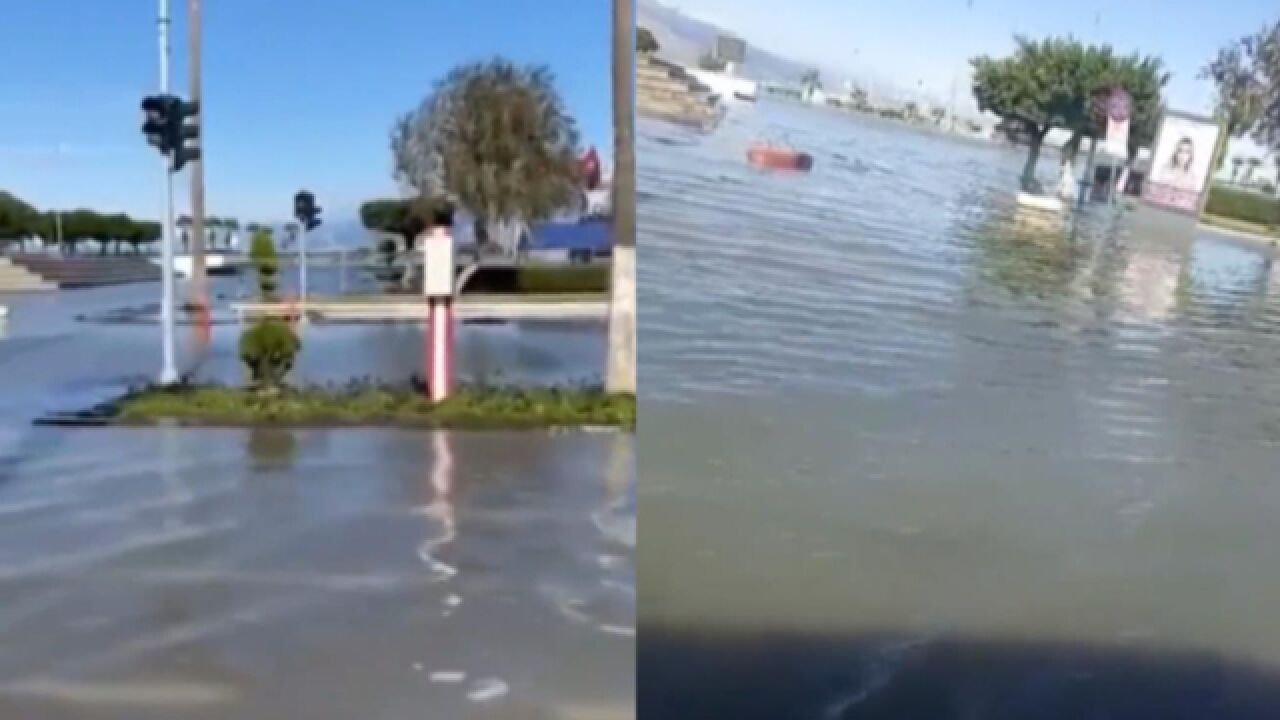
x,y
908,455
168,573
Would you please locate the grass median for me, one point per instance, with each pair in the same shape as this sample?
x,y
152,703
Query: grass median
x,y
368,404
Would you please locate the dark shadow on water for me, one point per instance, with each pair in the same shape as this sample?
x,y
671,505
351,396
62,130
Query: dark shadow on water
x,y
749,676
271,448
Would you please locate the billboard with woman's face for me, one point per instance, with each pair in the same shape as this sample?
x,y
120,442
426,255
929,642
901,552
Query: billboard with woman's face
x,y
1180,162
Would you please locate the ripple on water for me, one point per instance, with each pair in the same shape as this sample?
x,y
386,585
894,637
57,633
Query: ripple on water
x,y
1071,398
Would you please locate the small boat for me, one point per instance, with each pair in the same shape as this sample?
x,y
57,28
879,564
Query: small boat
x,y
764,155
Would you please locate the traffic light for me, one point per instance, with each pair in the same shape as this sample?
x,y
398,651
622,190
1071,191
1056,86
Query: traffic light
x,y
184,136
306,210
166,128
156,109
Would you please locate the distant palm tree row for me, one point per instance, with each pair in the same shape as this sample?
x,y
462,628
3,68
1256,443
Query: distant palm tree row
x,y
23,225
219,233
1249,165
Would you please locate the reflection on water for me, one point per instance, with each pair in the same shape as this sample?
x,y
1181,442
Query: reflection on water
x,y
270,448
440,509
882,409
165,572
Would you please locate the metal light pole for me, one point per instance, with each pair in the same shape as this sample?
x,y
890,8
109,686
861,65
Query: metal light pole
x,y
169,366
302,268
620,366
197,163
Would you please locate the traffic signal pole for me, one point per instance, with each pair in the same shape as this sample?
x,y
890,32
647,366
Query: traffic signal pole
x,y
198,278
307,214
302,269
169,364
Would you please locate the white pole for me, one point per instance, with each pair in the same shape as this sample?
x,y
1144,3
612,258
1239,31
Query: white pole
x,y
302,270
168,368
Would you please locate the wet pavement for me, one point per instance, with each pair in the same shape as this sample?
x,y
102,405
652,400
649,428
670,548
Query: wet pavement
x,y
271,573
907,455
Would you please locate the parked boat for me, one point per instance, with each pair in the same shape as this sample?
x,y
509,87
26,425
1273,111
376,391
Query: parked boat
x,y
773,157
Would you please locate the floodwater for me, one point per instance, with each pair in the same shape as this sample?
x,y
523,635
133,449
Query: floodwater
x,y
908,454
270,573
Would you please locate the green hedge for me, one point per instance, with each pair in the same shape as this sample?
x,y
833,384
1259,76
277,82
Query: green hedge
x,y
1243,205
541,279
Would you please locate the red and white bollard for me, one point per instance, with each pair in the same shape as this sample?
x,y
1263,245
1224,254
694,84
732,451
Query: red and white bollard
x,y
439,348
437,286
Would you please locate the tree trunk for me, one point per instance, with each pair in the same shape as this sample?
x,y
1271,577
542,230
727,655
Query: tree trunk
x,y
1029,183
1067,178
620,374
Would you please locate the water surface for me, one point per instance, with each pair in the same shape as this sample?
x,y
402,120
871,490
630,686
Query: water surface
x,y
901,442
270,573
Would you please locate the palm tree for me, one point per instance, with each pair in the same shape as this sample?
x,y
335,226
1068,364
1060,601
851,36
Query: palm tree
x,y
1254,163
1236,163
620,375
184,227
232,228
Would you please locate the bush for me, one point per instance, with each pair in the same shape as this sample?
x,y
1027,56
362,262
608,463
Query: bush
x,y
262,251
268,349
1243,205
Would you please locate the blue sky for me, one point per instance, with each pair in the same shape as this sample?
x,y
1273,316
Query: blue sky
x,y
909,41
297,92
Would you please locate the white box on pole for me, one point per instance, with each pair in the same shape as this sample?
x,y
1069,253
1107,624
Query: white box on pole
x,y
437,258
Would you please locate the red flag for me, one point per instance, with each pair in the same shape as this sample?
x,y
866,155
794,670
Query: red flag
x,y
590,166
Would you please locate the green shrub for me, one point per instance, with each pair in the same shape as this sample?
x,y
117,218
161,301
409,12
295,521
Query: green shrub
x,y
1243,205
262,251
268,348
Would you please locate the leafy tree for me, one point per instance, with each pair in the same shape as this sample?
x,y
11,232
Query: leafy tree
x,y
1051,83
184,227
1246,74
231,228
1241,88
497,139
262,251
18,220
143,232
407,218
212,231
268,349
711,63
646,43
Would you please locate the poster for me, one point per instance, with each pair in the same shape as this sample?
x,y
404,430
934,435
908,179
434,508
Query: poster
x,y
1180,162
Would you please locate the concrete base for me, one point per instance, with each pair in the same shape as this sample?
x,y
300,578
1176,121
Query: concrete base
x,y
393,309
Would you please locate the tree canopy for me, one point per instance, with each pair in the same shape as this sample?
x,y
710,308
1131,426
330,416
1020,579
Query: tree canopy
x,y
645,41
19,220
1246,73
496,139
407,218
1053,83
